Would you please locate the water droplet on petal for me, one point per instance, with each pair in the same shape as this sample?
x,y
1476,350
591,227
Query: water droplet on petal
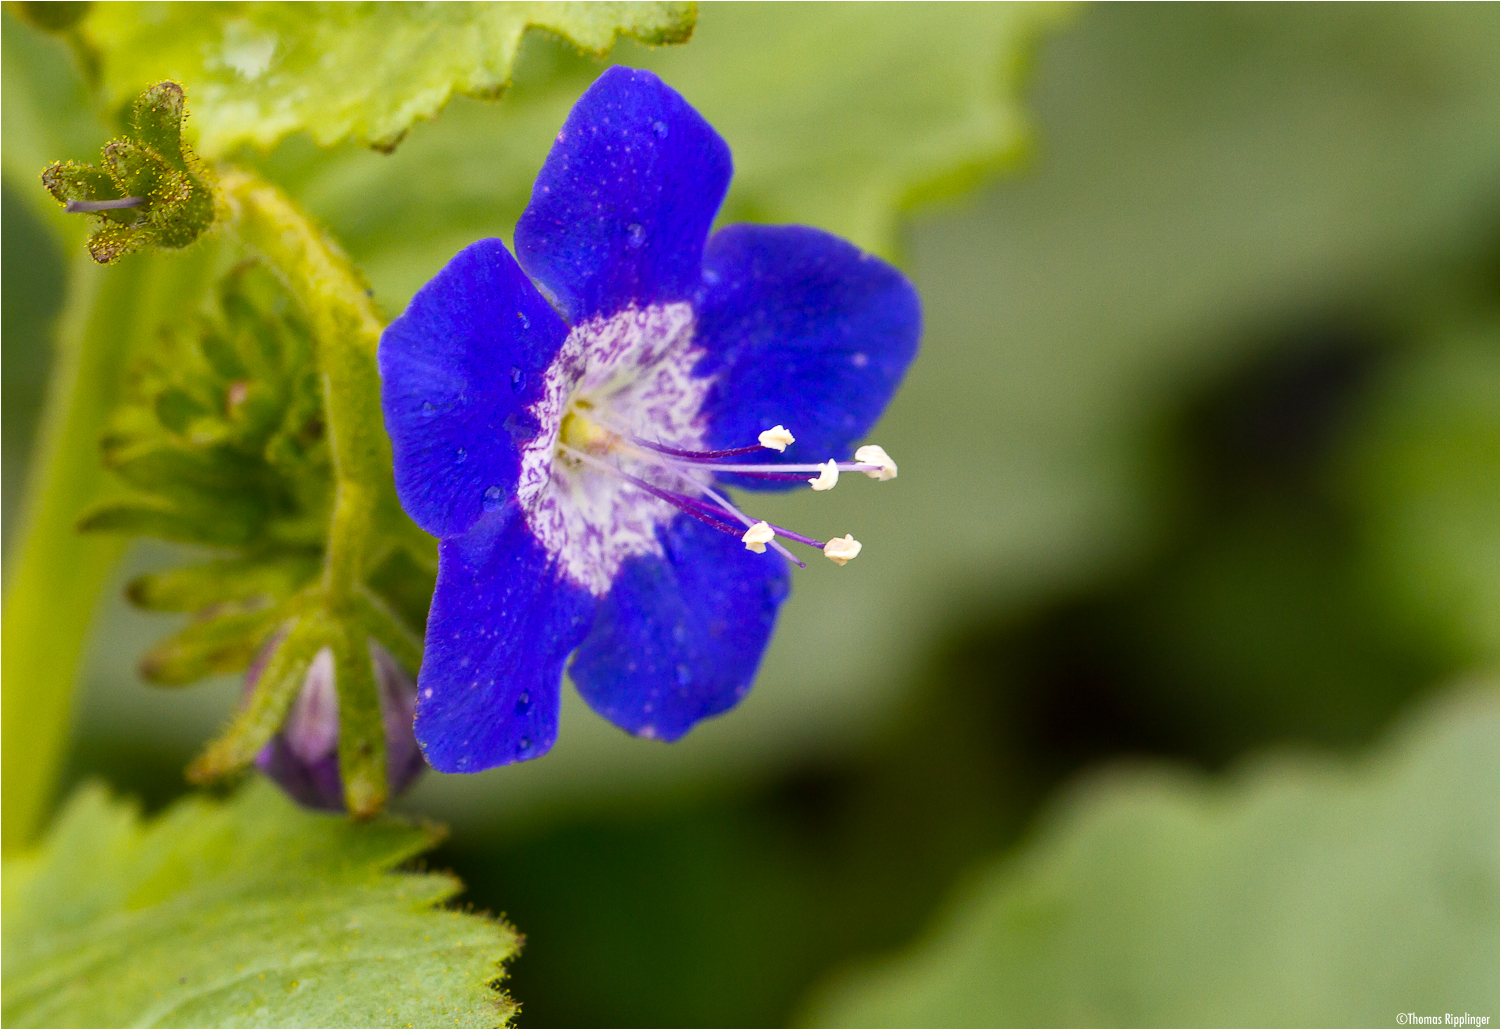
x,y
660,128
518,378
711,277
685,675
523,702
526,744
526,323
635,235
679,633
427,407
493,499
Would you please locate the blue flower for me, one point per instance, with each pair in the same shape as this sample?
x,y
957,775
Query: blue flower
x,y
566,421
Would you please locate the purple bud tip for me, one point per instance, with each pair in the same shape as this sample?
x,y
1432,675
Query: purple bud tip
x,y
303,758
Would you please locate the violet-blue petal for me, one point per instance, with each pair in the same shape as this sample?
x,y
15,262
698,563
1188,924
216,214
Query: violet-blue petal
x,y
680,636
501,625
458,370
801,329
622,207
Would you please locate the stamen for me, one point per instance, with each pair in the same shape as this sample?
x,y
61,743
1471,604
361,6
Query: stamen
x,y
828,476
584,427
839,551
686,505
74,207
720,499
692,455
675,452
752,470
790,535
874,455
757,537
788,477
776,438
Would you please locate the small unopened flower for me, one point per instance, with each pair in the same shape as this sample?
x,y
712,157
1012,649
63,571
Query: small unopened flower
x,y
567,423
304,757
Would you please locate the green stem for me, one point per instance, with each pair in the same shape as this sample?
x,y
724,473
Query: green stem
x,y
57,573
347,330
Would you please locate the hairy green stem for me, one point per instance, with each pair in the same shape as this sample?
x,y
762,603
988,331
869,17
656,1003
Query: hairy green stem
x,y
347,328
57,573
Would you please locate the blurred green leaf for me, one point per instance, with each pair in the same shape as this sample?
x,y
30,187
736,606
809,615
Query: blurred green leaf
x,y
1421,462
843,116
250,912
255,72
1300,893
47,117
839,115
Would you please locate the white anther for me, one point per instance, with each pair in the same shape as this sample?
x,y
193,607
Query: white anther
x,y
777,438
757,537
828,475
840,551
870,454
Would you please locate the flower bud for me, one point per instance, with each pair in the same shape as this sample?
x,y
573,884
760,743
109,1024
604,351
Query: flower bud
x,y
303,758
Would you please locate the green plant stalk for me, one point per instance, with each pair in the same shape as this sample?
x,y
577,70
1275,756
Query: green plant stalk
x,y
56,572
347,328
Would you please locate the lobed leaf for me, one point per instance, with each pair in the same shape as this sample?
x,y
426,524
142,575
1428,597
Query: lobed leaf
x,y
367,72
1298,894
250,912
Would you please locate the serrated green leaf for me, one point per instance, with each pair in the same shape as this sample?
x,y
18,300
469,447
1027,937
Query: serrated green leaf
x,y
256,72
247,913
1299,894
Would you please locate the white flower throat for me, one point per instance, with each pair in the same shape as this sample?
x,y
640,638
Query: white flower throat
x,y
622,451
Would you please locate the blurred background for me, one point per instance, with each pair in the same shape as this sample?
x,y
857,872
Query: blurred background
x,y
1199,465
